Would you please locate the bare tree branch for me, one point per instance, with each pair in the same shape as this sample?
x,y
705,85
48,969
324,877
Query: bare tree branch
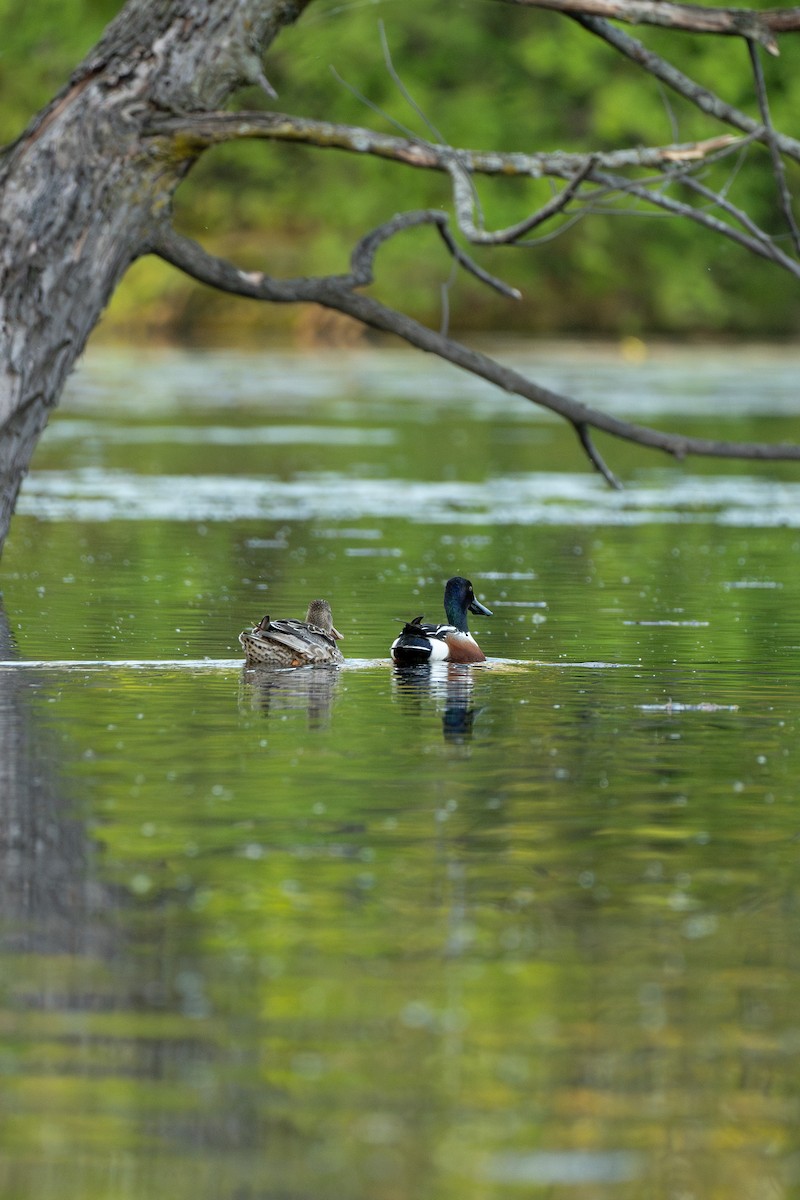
x,y
759,243
775,154
718,200
464,202
737,22
364,253
338,292
192,133
585,438
707,101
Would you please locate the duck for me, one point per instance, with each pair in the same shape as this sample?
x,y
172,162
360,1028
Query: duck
x,y
419,644
290,643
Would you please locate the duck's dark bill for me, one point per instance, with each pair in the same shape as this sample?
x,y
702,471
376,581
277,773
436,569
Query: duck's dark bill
x,y
478,608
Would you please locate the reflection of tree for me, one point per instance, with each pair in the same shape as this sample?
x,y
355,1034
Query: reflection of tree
x,y
47,901
82,950
309,688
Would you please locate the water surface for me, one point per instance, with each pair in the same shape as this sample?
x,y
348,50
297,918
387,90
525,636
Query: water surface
x,y
522,929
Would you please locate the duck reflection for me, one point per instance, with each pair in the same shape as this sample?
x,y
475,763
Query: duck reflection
x,y
451,686
266,690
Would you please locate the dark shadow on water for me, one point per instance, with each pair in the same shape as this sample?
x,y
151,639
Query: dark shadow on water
x,y
48,903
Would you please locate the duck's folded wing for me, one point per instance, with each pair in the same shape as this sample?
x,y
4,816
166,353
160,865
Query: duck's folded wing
x,y
415,629
439,631
305,640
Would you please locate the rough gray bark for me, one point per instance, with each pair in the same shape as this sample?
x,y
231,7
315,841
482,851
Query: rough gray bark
x,y
81,188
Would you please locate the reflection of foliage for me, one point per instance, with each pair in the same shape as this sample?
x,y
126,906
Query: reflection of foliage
x,y
362,943
354,957
363,948
495,77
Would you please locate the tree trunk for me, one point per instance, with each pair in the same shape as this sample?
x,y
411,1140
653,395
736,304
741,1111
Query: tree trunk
x,y
82,189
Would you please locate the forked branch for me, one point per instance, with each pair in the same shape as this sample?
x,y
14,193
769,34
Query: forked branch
x,y
343,294
778,169
465,206
696,93
192,134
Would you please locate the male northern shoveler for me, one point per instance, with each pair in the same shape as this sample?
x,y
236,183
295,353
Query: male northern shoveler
x,y
453,642
291,643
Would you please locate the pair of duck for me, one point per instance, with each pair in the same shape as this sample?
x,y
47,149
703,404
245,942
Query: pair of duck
x,y
290,643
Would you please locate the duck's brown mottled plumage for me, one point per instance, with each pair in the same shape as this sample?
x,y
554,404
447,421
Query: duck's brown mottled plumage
x,y
290,643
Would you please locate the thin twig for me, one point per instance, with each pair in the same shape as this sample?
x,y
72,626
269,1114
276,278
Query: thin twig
x,y
704,99
394,75
376,108
585,438
362,258
463,201
778,169
761,245
733,22
718,200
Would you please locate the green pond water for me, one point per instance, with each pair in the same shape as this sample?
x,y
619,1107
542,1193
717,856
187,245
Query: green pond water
x,y
526,929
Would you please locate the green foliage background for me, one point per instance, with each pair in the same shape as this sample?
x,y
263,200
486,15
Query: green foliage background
x,y
485,75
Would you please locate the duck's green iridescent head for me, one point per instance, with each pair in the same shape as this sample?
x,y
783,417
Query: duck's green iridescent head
x,y
460,598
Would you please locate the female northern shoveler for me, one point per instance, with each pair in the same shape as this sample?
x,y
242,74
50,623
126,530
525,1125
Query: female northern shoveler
x,y
294,643
453,642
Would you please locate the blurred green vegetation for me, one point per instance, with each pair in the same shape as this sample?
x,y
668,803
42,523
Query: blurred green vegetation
x,y
485,75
